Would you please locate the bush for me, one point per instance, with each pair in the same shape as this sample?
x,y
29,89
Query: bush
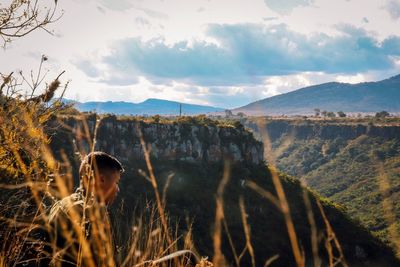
x,y
382,114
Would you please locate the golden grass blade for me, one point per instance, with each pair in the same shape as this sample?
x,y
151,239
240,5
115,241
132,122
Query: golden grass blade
x,y
331,236
155,185
314,231
246,228
171,256
264,193
235,256
284,206
271,260
218,258
165,189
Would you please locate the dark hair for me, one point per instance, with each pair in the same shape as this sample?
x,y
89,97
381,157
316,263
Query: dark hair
x,y
99,161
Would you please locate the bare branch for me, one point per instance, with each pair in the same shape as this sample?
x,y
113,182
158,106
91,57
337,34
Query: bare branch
x,y
22,17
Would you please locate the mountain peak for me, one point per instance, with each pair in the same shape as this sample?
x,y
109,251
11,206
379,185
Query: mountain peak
x,y
157,100
150,106
354,98
395,78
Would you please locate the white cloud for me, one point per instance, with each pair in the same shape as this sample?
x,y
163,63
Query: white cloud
x,y
323,15
285,7
393,7
88,30
358,78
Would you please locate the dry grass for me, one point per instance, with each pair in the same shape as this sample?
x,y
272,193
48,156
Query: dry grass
x,y
149,244
152,241
283,203
218,258
151,177
246,227
34,179
314,230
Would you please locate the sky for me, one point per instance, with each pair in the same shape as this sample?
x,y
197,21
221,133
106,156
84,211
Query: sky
x,y
223,53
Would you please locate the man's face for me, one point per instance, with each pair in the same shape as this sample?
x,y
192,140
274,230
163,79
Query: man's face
x,y
109,180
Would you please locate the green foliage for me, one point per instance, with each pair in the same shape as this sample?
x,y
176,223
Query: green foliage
x,y
382,114
156,118
330,114
348,169
228,113
191,194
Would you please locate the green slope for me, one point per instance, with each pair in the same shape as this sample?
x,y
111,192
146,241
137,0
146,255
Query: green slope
x,y
192,193
354,179
345,163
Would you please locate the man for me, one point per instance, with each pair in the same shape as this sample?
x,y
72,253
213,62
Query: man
x,y
81,232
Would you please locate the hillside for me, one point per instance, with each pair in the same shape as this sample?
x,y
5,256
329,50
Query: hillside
x,y
148,107
192,189
333,96
346,162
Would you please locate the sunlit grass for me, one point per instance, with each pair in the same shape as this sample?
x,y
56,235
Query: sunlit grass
x,y
33,179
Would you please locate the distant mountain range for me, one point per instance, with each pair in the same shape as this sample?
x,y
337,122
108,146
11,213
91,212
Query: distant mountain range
x,y
367,97
333,96
149,107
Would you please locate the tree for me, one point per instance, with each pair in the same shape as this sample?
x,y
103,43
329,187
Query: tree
x,y
241,114
19,18
317,112
156,118
238,125
228,113
324,113
330,114
341,114
382,114
22,17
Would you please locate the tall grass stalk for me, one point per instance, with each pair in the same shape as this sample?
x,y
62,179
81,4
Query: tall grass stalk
x,y
284,206
218,257
247,232
314,230
154,184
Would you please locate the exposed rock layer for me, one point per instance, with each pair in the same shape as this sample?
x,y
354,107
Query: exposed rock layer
x,y
172,141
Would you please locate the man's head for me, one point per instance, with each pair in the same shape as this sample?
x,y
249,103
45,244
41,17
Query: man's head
x,y
101,172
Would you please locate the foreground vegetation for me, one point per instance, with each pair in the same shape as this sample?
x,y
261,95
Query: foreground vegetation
x,y
236,214
241,215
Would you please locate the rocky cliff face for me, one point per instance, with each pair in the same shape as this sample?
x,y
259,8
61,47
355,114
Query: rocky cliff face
x,y
186,141
325,131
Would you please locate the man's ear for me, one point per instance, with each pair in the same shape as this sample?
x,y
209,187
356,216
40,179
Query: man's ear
x,y
101,178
